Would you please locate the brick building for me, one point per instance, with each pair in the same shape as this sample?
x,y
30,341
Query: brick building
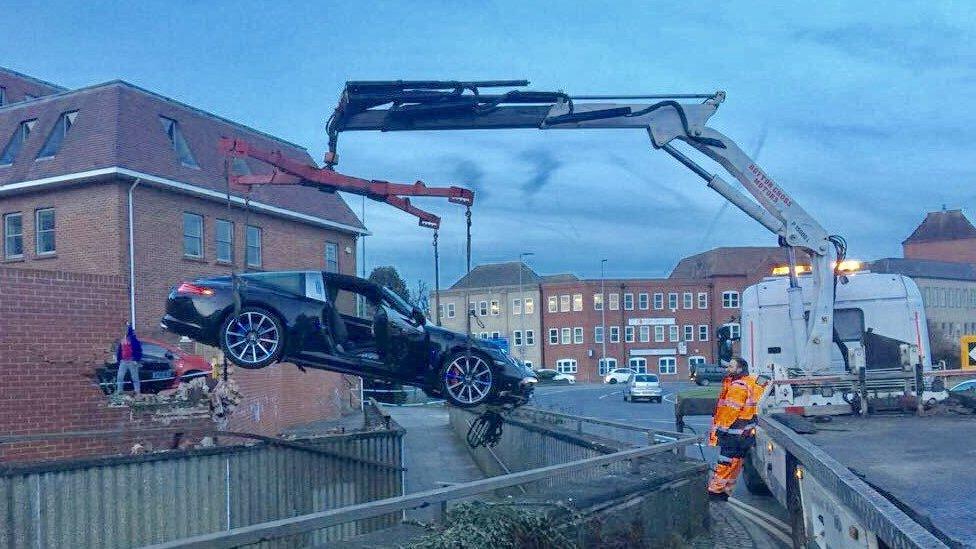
x,y
82,170
945,235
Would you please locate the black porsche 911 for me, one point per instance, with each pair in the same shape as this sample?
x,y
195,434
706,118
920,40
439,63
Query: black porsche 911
x,y
344,324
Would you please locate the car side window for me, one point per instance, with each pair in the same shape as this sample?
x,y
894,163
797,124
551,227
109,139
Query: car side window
x,y
314,286
153,351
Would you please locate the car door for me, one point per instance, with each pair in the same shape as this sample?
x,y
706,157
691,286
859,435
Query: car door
x,y
403,347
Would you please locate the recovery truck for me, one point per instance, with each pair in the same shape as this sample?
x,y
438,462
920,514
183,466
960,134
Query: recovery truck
x,y
834,344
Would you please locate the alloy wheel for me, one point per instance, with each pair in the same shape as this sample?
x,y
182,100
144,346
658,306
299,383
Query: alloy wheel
x,y
252,337
468,379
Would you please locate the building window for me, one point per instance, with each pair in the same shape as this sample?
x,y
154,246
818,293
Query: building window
x,y
564,303
13,235
614,334
598,334
496,335
331,257
667,365
642,302
687,300
730,300
703,332
645,334
192,235
484,335
702,300
56,138
606,365
224,238
516,307
577,335
566,366
659,334
689,332
528,364
577,302
628,302
695,361
177,141
472,309
495,307
672,301
673,332
638,364
553,304
483,308
659,302
254,250
44,231
735,331
614,302
597,302
516,338
530,337
529,306
17,140
553,336
628,334
567,336
450,310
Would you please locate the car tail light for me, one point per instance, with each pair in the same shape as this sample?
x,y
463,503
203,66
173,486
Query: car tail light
x,y
192,289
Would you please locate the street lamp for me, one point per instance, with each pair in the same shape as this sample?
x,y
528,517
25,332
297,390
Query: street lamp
x,y
603,312
522,257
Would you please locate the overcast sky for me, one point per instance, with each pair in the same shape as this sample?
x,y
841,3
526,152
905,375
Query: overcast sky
x,y
864,114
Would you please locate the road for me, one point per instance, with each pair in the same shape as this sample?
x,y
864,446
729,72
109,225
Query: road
x,y
606,402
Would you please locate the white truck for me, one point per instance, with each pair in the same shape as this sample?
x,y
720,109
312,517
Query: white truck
x,y
835,345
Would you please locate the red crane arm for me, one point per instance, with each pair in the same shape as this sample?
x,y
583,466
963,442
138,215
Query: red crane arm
x,y
292,172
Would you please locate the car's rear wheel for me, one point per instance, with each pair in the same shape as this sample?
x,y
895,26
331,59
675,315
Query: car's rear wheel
x,y
253,338
465,380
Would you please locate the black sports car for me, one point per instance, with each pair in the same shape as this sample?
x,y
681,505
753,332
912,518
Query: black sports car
x,y
345,324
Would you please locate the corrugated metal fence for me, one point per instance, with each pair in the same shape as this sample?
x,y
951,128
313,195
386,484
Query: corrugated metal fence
x,y
139,500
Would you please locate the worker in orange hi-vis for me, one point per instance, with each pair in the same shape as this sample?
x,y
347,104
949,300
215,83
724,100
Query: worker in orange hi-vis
x,y
733,426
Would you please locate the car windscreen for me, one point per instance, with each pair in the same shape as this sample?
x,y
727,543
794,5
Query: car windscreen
x,y
645,378
397,302
290,282
153,351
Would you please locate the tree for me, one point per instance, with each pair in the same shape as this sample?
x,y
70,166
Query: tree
x,y
388,276
421,299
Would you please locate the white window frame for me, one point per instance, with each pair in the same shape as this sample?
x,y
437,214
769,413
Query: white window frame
x,y
614,302
567,336
614,334
198,238
218,223
450,310
483,307
645,334
553,336
673,334
331,256
598,334
7,235
529,338
689,330
529,306
667,365
553,304
628,334
688,300
605,366
516,306
578,335
703,332
673,300
628,302
659,334
637,364
517,338
564,303
577,302
658,301
696,360
597,302
735,329
702,300
496,335
730,299
643,301
256,245
495,307
566,366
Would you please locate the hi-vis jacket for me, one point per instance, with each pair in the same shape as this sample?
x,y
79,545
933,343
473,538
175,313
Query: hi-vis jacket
x,y
735,413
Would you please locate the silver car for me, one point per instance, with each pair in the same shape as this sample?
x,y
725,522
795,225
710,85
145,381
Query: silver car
x,y
642,386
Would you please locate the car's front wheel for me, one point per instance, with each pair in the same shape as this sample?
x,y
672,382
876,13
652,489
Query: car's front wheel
x,y
253,338
466,380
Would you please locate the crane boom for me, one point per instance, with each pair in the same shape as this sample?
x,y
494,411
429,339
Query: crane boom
x,y
452,105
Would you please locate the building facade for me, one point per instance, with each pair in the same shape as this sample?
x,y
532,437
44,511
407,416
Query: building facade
x,y
948,291
946,235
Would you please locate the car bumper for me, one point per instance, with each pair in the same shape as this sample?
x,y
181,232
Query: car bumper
x,y
645,394
181,327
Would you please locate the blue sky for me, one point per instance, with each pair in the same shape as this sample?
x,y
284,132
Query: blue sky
x,y
863,112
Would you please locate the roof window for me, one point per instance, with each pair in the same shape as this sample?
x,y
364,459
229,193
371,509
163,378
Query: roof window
x,y
56,138
172,129
17,140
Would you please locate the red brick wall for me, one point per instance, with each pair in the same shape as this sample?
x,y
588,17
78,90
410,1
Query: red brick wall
x,y
282,396
57,327
956,251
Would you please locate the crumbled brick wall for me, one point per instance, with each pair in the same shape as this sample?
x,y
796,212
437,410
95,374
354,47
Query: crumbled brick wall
x,y
956,251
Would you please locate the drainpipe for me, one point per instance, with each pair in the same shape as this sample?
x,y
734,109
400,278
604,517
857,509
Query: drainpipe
x,y
132,261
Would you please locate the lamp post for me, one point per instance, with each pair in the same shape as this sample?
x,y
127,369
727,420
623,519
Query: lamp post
x,y
603,312
522,257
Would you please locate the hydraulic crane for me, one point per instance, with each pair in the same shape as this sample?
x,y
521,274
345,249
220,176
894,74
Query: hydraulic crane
x,y
456,105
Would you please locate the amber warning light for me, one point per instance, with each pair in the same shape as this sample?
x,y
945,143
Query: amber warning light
x,y
846,266
192,289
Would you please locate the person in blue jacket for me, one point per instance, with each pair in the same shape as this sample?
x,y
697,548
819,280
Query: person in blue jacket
x,y
128,354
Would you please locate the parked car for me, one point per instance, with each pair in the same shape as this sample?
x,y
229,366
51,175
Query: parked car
x,y
706,374
163,366
344,324
964,386
642,386
552,376
619,375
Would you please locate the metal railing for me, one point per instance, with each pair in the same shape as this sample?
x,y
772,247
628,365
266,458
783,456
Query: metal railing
x,y
655,442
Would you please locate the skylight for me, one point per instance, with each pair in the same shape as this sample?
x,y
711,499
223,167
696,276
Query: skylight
x,y
172,129
17,140
56,138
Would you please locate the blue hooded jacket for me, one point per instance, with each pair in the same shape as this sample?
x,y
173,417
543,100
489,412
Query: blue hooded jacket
x,y
136,346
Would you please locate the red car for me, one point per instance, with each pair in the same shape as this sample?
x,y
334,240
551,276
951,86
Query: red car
x,y
163,366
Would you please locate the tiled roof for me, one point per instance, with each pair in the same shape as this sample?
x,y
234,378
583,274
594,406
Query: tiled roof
x,y
16,85
557,278
731,261
493,275
925,268
943,225
118,126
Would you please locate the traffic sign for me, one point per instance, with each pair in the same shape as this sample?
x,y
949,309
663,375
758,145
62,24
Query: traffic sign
x,y
968,351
